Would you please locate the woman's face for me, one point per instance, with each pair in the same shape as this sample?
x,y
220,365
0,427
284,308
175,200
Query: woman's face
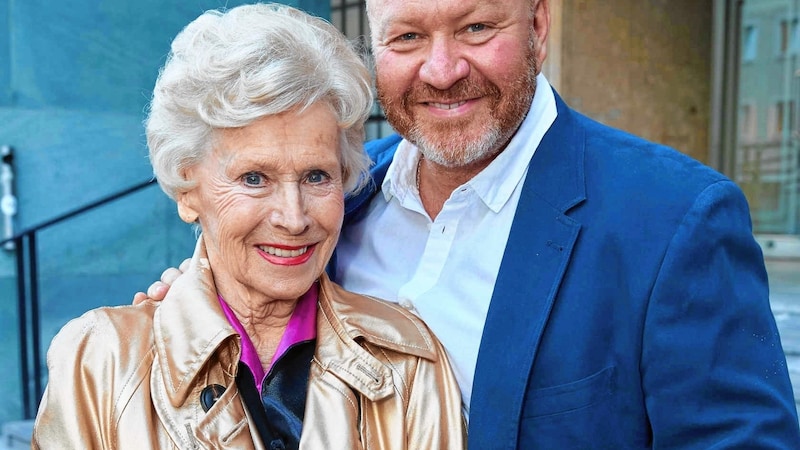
x,y
270,202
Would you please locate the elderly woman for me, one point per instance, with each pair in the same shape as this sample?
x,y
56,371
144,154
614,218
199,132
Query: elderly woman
x,y
255,129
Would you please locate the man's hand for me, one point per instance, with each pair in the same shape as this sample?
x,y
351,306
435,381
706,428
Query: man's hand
x,y
158,290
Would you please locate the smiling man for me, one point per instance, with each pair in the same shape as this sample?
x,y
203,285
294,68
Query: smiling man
x,y
593,290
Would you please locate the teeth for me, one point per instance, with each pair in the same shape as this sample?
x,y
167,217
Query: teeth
x,y
447,105
283,253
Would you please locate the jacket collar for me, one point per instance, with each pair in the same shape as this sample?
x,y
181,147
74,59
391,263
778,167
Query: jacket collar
x,y
191,308
346,319
561,151
190,327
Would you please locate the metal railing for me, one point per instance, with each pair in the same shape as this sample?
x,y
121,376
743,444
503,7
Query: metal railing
x,y
28,298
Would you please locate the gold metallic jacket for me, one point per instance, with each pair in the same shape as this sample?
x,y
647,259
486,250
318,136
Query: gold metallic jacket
x,y
130,377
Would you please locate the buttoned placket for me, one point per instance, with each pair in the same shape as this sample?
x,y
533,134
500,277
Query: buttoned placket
x,y
441,234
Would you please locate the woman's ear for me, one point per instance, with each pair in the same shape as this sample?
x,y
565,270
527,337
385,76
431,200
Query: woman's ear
x,y
186,209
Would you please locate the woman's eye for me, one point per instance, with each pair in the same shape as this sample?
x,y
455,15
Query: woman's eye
x,y
253,179
316,177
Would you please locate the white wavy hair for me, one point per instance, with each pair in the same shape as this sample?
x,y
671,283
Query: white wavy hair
x,y
227,69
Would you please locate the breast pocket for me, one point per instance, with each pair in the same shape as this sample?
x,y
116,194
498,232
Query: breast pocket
x,y
570,396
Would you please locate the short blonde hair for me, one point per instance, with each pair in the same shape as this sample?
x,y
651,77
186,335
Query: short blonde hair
x,y
227,69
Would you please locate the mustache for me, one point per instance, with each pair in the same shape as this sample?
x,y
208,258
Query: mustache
x,y
462,90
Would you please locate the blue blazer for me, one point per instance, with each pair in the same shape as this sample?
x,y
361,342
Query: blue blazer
x,y
631,309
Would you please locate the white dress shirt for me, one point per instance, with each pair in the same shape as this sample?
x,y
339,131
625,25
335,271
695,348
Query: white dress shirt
x,y
444,270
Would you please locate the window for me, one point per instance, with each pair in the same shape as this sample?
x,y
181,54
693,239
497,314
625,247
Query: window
x,y
350,17
748,124
781,118
788,37
783,37
750,43
775,121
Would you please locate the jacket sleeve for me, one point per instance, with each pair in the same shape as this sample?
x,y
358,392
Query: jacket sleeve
x,y
713,371
78,407
435,419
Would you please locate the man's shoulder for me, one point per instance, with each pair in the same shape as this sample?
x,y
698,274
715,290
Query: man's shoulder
x,y
637,160
381,151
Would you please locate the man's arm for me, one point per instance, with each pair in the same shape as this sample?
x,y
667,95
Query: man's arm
x,y
713,370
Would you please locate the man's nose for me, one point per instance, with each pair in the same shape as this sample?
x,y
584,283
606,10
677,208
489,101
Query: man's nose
x,y
444,64
289,211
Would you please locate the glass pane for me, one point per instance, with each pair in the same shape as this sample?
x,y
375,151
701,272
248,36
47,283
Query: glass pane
x,y
766,157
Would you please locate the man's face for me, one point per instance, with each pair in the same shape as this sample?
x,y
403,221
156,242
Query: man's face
x,y
456,77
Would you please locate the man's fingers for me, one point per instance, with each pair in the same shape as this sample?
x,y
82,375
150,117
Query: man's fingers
x,y
139,297
158,290
169,276
185,265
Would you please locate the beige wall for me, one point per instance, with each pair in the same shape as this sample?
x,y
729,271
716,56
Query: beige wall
x,y
640,65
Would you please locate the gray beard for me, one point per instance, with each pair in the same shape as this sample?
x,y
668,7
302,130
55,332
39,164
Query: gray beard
x,y
456,153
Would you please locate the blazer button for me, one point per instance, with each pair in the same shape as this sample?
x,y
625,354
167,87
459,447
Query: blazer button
x,y
209,395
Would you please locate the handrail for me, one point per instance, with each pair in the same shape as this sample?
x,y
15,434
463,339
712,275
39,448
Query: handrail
x,y
82,209
28,298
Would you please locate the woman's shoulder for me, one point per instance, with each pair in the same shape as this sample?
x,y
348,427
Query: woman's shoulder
x,y
107,321
105,336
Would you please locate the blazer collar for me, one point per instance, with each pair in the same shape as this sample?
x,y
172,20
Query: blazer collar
x,y
536,257
556,173
560,182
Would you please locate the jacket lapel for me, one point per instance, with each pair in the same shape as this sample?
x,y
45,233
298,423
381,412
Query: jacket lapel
x,y
340,329
536,256
196,347
537,253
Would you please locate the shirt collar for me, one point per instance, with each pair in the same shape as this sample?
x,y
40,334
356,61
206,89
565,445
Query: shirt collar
x,y
496,183
302,327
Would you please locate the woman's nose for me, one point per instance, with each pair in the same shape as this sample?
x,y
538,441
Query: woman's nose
x,y
444,65
289,212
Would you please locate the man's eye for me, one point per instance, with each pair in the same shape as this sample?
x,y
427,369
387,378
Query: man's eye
x,y
475,27
253,179
407,37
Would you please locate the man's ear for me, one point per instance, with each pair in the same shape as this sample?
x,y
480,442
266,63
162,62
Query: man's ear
x,y
186,209
541,27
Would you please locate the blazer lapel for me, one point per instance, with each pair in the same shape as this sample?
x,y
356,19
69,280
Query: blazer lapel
x,y
536,256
